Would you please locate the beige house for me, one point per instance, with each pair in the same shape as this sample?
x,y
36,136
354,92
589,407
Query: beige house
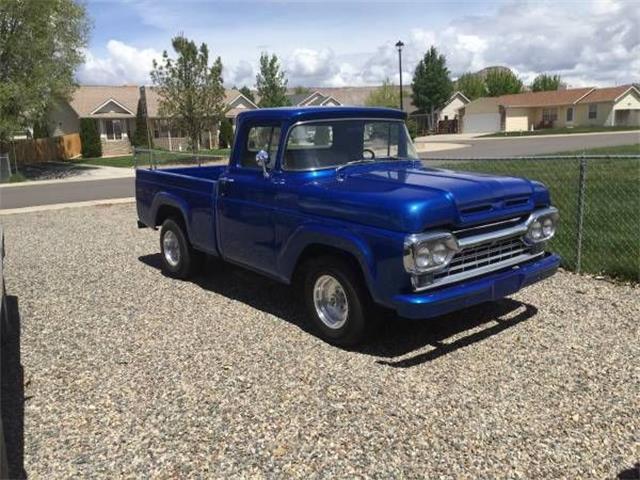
x,y
576,107
115,107
451,109
168,136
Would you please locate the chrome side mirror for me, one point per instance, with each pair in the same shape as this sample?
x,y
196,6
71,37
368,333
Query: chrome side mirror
x,y
262,159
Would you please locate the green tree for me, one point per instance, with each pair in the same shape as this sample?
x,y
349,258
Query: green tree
x,y
271,83
41,45
90,138
545,82
141,137
246,91
225,138
191,92
431,84
502,82
386,95
300,90
471,85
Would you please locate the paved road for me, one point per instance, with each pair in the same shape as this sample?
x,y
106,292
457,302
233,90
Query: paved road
x,y
501,147
79,191
65,192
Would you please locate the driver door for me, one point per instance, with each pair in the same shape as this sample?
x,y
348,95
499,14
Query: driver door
x,y
246,202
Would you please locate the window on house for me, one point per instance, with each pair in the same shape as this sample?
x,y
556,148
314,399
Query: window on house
x,y
261,138
114,129
549,115
570,114
593,111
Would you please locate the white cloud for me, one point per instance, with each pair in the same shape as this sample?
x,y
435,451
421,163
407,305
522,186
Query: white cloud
x,y
123,64
595,43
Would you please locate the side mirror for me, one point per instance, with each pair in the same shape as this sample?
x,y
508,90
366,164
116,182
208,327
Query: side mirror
x,y
262,159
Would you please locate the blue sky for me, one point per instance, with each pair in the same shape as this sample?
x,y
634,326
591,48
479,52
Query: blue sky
x,y
348,42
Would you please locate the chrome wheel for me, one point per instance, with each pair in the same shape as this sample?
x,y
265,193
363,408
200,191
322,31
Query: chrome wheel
x,y
171,248
330,301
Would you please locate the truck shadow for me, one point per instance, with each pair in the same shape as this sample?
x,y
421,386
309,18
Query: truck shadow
x,y
395,336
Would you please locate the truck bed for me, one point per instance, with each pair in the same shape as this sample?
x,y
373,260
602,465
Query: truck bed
x,y
192,190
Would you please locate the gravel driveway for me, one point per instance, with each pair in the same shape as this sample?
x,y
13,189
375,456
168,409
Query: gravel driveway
x,y
132,374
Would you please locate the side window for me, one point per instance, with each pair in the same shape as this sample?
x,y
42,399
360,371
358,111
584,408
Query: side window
x,y
593,111
261,138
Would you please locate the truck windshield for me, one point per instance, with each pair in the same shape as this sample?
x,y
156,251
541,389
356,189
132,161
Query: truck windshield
x,y
332,143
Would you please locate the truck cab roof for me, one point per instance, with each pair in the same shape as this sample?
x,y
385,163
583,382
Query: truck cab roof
x,y
296,114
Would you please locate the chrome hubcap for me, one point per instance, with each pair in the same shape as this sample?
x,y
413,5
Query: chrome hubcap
x,y
171,248
330,301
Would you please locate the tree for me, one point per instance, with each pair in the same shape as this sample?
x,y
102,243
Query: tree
x,y
502,82
225,138
41,44
471,85
90,138
191,92
431,84
271,83
300,90
545,82
246,91
386,95
141,137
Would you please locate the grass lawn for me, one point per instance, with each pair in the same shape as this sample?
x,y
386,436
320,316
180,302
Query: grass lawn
x,y
559,131
127,161
611,243
633,149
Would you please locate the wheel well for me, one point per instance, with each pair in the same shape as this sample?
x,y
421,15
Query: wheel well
x,y
166,211
319,250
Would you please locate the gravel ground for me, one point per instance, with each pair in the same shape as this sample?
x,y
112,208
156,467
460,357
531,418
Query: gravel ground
x,y
131,374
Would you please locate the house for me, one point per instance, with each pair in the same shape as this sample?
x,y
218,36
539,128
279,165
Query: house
x,y
113,107
575,107
314,99
168,136
450,110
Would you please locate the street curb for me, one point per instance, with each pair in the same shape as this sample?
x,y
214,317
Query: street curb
x,y
558,135
80,178
60,206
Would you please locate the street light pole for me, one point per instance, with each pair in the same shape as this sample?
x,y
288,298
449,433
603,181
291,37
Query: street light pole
x,y
399,46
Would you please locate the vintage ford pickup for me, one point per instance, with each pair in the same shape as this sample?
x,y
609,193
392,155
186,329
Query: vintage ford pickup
x,y
337,202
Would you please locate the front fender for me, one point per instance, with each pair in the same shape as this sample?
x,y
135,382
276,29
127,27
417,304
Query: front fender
x,y
339,238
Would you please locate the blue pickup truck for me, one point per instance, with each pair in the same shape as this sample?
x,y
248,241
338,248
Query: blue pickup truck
x,y
337,202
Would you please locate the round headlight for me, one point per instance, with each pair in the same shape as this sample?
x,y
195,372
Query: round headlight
x,y
423,256
548,227
439,253
535,230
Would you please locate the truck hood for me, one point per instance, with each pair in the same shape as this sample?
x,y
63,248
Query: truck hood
x,y
410,197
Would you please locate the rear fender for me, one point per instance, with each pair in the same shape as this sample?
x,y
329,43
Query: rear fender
x,y
162,199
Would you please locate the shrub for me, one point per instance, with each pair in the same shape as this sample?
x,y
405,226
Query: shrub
x,y
226,133
90,138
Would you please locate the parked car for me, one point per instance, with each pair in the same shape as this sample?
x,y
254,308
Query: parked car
x,y
353,217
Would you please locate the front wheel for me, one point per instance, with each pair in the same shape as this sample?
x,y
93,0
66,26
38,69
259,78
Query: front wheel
x,y
337,301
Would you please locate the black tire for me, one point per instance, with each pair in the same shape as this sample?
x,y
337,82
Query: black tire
x,y
361,311
184,265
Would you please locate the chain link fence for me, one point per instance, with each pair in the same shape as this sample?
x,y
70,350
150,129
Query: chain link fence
x,y
599,202
146,158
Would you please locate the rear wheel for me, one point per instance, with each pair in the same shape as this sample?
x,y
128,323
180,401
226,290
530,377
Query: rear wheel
x,y
337,301
178,257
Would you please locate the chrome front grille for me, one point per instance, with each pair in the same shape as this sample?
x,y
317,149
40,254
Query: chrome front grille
x,y
484,255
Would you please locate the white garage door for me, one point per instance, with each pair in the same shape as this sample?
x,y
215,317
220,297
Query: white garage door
x,y
481,122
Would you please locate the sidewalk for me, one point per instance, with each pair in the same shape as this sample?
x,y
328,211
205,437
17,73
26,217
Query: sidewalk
x,y
59,172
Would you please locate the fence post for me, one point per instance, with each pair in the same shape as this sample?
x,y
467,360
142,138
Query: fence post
x,y
582,183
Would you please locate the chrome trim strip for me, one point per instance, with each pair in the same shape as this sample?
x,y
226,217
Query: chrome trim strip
x,y
487,225
474,273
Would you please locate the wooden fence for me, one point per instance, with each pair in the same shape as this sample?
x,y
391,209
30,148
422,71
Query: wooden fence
x,y
52,149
